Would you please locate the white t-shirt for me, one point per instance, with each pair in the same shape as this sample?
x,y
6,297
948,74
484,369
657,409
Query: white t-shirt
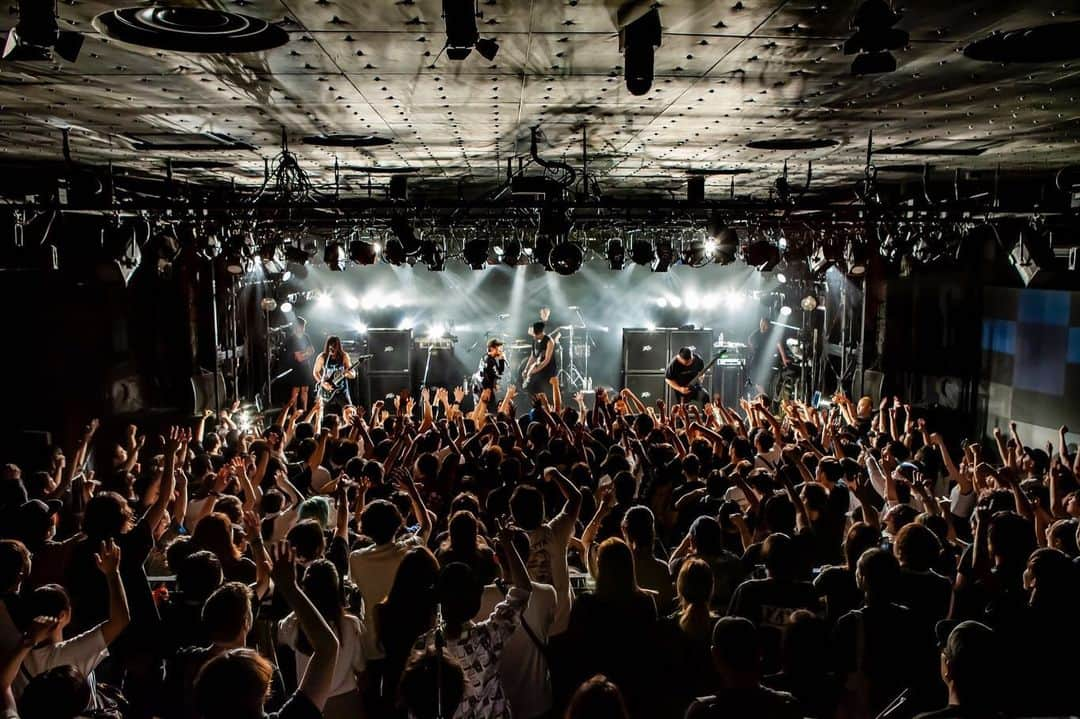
x,y
84,652
351,658
523,668
372,570
547,562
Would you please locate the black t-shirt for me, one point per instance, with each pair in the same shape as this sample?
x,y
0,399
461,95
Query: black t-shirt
x,y
682,374
749,703
296,344
491,371
540,348
837,587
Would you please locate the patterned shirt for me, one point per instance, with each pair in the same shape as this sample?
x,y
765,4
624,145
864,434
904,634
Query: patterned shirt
x,y
478,650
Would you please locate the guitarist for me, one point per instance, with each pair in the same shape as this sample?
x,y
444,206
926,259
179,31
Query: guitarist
x,y
682,375
331,362
298,354
542,367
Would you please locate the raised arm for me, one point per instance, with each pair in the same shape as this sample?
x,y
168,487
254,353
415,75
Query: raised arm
x,y
406,482
168,480
317,681
108,561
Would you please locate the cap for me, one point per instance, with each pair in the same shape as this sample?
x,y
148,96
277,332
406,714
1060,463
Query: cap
x,y
495,342
40,508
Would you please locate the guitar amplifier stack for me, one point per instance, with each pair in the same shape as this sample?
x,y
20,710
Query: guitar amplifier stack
x,y
647,352
388,371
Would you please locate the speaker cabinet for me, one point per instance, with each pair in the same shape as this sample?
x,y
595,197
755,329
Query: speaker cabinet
x,y
699,341
648,387
645,350
385,386
391,350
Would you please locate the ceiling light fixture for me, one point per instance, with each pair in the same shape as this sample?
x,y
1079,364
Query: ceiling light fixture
x,y
461,33
638,40
874,37
616,254
363,252
475,253
566,258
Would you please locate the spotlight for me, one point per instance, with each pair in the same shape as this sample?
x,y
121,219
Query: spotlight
x,y
394,252
661,302
696,252
296,256
727,245
403,231
857,257
639,41
324,299
512,253
825,256
487,48
431,254
542,252
334,256
566,258
616,254
785,310
792,272
476,254
436,330
874,37
350,302
762,254
406,324
665,255
286,307
642,252
38,34
808,303
674,301
461,33
363,252
360,327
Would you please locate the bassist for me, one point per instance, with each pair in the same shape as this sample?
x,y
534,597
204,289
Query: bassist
x,y
682,375
333,370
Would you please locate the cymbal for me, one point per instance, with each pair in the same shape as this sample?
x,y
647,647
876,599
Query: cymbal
x,y
729,345
567,327
519,345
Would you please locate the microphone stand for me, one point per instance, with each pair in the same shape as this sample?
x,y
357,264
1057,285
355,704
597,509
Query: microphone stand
x,y
440,648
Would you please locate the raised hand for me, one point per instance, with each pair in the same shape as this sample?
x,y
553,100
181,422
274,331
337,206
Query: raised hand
x,y
251,526
40,628
459,394
107,558
283,565
579,397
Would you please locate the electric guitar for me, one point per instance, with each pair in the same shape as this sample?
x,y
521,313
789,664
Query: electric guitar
x,y
694,387
527,372
337,379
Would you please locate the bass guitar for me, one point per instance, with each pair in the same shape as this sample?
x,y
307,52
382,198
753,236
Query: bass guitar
x,y
337,379
694,385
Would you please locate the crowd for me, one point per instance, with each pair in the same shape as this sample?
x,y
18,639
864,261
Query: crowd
x,y
439,559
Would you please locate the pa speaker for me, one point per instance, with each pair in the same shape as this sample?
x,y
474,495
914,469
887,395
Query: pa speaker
x,y
390,349
645,350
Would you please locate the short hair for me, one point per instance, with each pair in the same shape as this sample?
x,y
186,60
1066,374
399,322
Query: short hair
x,y
735,643
707,535
916,547
226,611
538,327
597,698
780,556
971,652
640,527
307,538
878,573
58,693
625,487
380,520
686,353
14,563
198,574
233,685
420,684
105,516
527,507
460,591
50,600
859,538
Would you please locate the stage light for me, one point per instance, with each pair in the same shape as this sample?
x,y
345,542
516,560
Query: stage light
x,y
360,327
674,301
825,256
406,324
394,299
296,255
734,300
324,300
238,260
566,258
697,253
268,304
710,248
431,254
395,252
363,252
665,256
762,254
286,307
727,246
436,330
808,303
616,254
487,48
38,34
661,302
785,311
642,252
334,256
475,254
857,258
650,327
404,234
792,271
639,41
461,32
512,253
350,302
542,251
692,301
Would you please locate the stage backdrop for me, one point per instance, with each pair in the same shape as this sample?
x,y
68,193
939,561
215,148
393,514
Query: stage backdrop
x,y
1031,363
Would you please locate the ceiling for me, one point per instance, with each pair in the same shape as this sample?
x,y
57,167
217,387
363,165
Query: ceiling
x,y
728,73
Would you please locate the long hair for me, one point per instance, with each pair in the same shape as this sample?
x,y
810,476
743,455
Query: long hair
x,y
322,585
615,578
214,533
332,348
409,607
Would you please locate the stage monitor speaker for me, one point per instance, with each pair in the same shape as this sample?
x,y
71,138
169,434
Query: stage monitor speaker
x,y
391,350
385,385
700,341
872,387
645,350
202,386
648,387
